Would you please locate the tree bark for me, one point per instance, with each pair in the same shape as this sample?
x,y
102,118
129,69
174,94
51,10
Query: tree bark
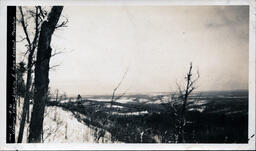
x,y
42,74
31,50
25,109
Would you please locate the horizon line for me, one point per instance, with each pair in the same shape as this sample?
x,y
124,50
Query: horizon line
x,y
152,92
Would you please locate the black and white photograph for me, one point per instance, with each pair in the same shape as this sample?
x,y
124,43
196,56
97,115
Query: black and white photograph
x,y
129,74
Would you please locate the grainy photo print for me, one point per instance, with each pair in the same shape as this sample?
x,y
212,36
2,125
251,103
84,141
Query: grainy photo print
x,y
128,74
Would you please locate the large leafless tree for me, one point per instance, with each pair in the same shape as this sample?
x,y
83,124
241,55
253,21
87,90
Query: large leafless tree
x,y
31,44
30,19
42,73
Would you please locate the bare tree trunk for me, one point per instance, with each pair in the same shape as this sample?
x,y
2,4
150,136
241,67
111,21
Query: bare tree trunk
x,y
30,97
25,108
19,100
66,131
31,50
183,111
28,85
188,90
42,74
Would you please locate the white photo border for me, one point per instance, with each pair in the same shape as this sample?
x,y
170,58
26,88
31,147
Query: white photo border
x,y
75,146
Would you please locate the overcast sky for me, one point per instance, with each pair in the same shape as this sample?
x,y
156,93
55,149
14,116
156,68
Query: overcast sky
x,y
155,43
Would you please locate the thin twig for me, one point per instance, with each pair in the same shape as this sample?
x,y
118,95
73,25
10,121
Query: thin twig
x,y
24,26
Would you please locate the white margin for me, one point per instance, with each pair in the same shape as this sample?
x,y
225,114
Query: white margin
x,y
74,146
252,73
3,57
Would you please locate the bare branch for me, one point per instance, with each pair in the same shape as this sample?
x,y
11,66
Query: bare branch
x,y
118,85
32,13
42,13
184,94
172,105
122,79
191,89
22,39
195,80
180,91
24,55
54,66
52,55
63,24
24,26
35,40
120,96
56,53
54,131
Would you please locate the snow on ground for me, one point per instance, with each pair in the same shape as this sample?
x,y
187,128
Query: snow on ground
x,y
18,119
131,113
155,102
200,105
200,109
100,100
121,100
125,100
67,100
61,126
143,100
114,106
201,102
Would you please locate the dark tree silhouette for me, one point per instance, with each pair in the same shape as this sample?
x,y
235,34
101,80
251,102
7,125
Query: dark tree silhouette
x,y
42,73
20,84
183,96
31,20
31,47
78,97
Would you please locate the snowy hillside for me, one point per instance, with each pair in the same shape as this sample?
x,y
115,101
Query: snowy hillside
x,y
61,126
